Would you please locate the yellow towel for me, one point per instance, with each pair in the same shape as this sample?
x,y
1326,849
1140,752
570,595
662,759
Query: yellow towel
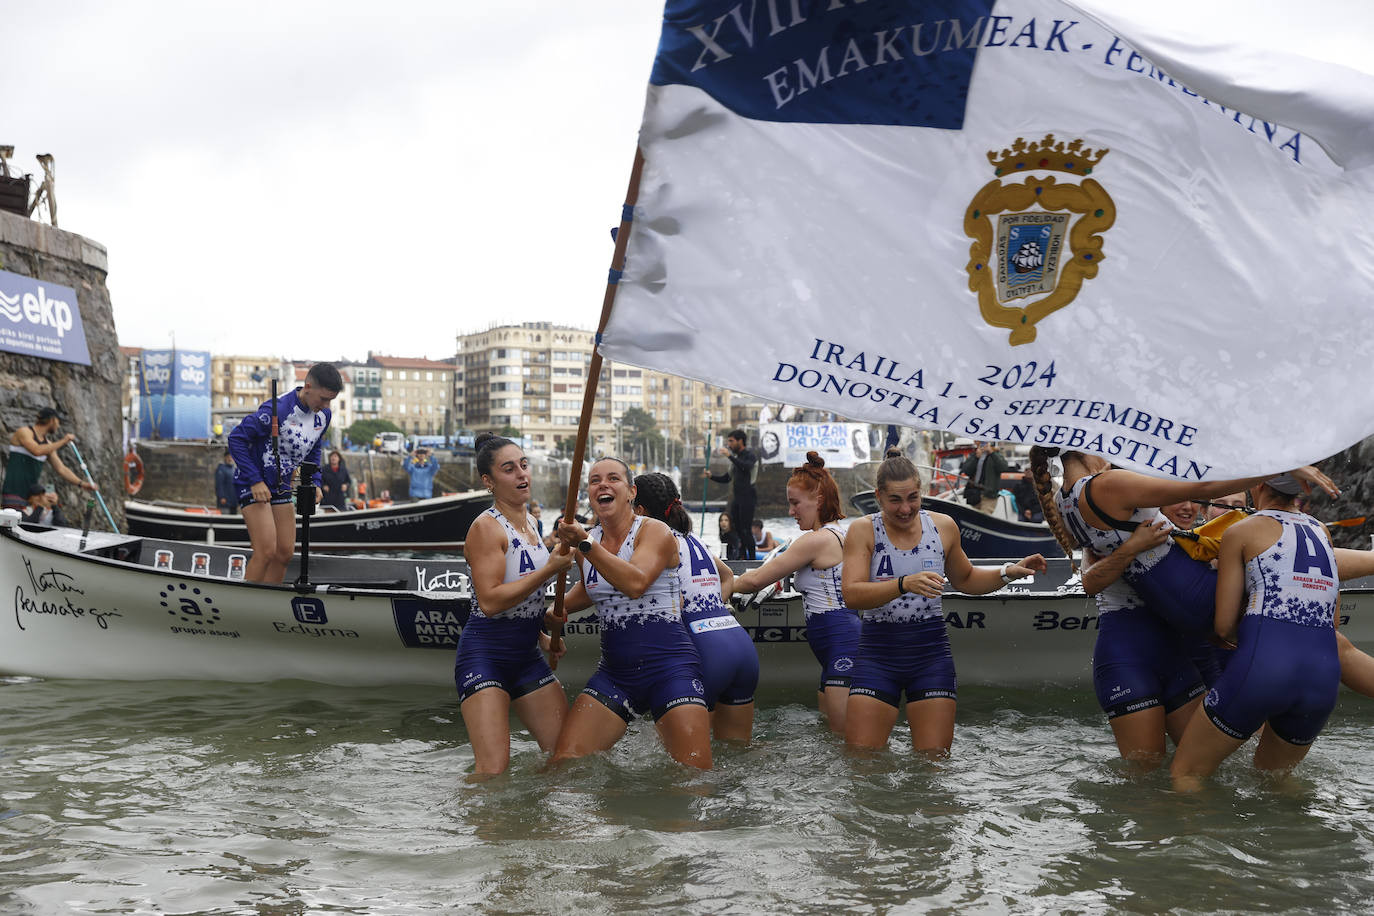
x,y
1204,543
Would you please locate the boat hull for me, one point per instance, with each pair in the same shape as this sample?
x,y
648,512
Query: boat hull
x,y
440,523
113,613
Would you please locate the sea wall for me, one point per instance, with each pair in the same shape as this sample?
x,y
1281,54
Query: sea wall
x,y
87,396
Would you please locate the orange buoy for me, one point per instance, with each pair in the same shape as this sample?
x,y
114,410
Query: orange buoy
x,y
133,473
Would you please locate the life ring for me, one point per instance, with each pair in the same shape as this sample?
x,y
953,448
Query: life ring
x,y
133,473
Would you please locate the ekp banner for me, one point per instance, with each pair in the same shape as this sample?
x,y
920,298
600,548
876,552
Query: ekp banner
x,y
38,318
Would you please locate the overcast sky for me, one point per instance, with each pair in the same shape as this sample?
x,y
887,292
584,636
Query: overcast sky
x,y
320,179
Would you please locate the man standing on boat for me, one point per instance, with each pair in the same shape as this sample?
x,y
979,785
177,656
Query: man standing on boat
x,y
267,462
31,447
983,477
743,473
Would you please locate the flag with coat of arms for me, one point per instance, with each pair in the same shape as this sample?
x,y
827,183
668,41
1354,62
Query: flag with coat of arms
x,y
1143,234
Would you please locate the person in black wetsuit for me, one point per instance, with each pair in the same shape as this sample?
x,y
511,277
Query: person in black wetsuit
x,y
743,473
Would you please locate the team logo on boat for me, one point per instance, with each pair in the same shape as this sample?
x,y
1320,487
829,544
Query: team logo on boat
x,y
1036,239
189,604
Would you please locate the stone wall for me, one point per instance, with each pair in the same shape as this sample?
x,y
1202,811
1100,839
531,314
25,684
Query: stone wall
x,y
87,396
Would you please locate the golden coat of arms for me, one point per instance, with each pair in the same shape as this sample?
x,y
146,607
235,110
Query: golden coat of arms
x,y
1036,238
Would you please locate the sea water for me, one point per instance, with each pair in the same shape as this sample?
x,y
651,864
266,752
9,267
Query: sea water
x,y
297,798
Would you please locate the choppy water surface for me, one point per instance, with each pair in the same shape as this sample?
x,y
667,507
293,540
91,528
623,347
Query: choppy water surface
x,y
288,798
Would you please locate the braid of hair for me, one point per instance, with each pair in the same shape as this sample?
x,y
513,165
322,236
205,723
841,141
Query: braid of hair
x,y
1044,489
658,496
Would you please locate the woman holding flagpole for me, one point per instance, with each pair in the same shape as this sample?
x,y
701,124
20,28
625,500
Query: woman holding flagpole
x,y
817,558
896,563
648,663
499,668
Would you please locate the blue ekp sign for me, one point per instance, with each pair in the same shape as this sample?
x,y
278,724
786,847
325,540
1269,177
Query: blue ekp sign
x,y
41,319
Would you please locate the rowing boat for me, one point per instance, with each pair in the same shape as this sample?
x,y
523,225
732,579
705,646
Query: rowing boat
x,y
125,607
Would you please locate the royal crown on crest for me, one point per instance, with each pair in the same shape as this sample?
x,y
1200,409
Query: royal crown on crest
x,y
1069,157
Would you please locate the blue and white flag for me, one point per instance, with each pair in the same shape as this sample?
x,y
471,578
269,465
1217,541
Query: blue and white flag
x,y
1005,220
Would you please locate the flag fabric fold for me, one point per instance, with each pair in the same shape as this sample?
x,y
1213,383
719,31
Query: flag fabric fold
x,y
1004,220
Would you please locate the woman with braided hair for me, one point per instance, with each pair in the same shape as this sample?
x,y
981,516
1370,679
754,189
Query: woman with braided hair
x,y
1142,674
729,661
895,567
816,558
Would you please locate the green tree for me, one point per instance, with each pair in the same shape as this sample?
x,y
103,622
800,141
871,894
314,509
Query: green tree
x,y
639,436
364,431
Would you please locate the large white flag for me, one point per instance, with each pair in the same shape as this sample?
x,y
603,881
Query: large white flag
x,y
1001,219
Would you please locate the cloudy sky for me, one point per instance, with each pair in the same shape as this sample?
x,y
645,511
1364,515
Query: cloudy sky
x,y
319,179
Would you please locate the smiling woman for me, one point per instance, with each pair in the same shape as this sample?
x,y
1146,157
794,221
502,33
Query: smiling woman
x,y
648,662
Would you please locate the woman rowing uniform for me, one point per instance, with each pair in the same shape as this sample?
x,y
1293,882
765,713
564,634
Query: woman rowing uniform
x,y
729,660
1175,586
1181,591
1138,661
1285,669
502,650
648,662
832,630
903,645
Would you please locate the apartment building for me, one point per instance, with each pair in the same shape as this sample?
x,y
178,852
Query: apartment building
x,y
416,394
533,377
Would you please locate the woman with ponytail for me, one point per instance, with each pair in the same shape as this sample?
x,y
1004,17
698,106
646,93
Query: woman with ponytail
x,y
499,668
729,661
896,563
816,558
1156,604
1148,679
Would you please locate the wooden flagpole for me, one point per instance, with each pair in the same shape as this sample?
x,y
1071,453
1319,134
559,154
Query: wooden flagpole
x,y
622,238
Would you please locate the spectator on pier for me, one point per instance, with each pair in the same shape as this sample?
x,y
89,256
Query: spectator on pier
x,y
226,494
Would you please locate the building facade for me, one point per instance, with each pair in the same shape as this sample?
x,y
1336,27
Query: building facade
x,y
533,376
417,394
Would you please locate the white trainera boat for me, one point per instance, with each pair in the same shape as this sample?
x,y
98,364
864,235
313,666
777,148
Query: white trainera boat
x,y
122,607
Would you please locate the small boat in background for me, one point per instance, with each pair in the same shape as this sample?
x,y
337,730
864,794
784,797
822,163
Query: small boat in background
x,y
440,523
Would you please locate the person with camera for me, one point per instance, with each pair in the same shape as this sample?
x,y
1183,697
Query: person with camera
x,y
982,473
421,466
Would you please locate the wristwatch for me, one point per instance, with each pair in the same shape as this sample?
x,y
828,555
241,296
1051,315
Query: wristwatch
x,y
585,545
1006,579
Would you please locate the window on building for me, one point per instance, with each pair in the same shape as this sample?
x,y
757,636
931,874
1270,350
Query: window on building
x,y
388,375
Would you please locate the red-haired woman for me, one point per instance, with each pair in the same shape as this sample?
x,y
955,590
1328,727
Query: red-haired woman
x,y
832,629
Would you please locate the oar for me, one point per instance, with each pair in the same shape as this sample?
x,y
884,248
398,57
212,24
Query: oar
x,y
276,445
87,471
305,505
1355,522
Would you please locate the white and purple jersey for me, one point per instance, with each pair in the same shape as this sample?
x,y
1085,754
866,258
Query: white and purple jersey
x,y
820,588
524,555
632,627
1103,543
300,436
1295,580
889,562
700,583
